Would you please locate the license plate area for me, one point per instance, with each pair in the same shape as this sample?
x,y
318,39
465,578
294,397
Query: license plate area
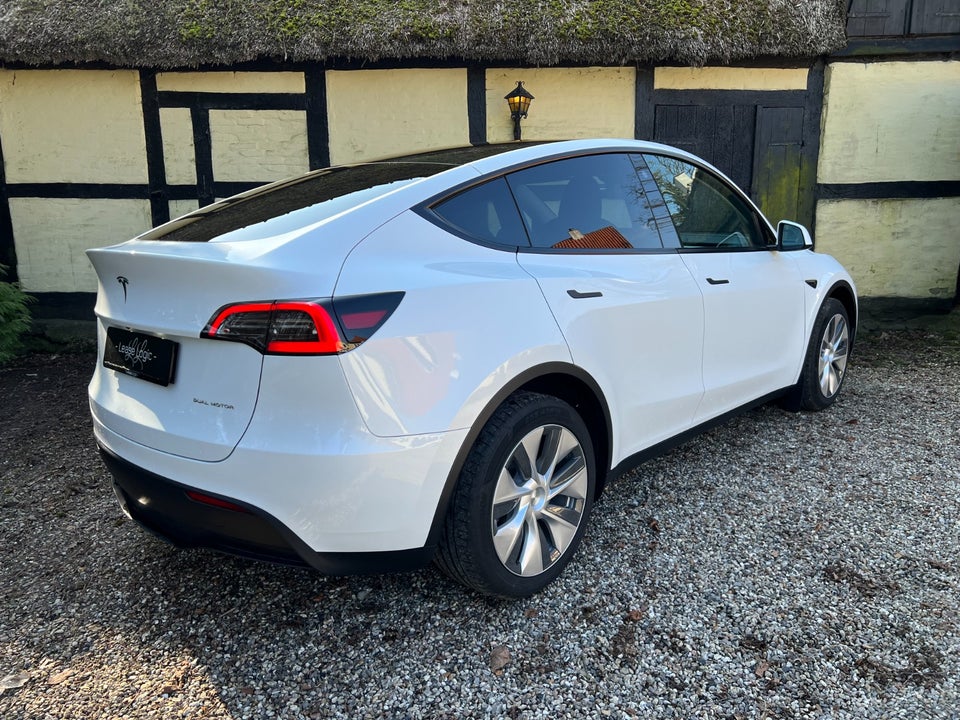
x,y
141,355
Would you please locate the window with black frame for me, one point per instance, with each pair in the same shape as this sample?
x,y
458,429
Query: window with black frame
x,y
707,213
594,202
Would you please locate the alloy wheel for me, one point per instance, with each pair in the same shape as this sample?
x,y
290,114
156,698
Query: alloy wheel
x,y
539,500
833,355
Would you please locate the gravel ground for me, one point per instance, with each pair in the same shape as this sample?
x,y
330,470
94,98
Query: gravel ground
x,y
782,566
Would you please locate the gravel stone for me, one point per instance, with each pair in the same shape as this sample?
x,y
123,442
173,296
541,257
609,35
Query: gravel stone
x,y
780,566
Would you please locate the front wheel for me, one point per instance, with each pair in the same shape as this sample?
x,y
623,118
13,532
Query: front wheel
x,y
825,364
523,498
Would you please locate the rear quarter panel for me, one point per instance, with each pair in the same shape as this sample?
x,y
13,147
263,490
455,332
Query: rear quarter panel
x,y
471,320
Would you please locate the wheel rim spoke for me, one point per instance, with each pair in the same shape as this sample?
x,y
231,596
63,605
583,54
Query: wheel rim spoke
x,y
832,383
548,450
839,330
825,372
531,555
840,364
560,443
525,454
508,490
507,535
571,480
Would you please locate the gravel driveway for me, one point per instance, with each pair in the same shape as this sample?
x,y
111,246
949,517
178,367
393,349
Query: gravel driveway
x,y
784,565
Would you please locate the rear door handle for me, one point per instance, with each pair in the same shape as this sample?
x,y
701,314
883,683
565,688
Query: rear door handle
x,y
577,295
718,282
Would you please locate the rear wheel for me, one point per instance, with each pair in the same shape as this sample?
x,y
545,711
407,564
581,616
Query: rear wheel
x,y
825,364
523,498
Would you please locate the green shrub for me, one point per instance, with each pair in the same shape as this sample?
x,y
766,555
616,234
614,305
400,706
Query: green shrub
x,y
14,317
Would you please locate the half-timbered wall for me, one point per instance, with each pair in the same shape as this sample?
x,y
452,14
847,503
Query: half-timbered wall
x,y
889,176
92,157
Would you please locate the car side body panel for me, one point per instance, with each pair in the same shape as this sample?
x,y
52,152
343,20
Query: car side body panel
x,y
823,276
754,324
634,322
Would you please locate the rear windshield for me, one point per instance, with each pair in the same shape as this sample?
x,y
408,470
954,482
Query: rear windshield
x,y
296,203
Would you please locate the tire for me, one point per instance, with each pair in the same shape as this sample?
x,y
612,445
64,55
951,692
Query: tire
x,y
522,500
825,364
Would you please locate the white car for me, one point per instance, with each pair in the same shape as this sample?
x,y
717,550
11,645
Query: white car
x,y
445,357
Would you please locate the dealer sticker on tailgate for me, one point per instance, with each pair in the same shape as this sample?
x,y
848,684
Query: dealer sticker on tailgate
x,y
141,355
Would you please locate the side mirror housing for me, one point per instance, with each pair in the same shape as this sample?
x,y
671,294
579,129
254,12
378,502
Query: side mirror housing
x,y
793,236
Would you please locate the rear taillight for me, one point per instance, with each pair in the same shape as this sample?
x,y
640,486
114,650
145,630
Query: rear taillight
x,y
303,327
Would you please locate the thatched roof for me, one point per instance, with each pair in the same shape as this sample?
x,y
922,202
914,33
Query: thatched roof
x,y
188,33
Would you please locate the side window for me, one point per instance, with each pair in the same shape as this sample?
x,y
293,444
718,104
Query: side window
x,y
486,212
594,202
706,212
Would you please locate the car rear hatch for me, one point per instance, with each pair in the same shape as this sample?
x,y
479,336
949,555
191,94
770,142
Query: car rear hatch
x,y
157,381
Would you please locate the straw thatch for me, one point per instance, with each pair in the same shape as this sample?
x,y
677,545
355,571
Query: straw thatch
x,y
189,33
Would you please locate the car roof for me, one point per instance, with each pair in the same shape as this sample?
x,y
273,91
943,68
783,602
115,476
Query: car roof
x,y
499,156
408,179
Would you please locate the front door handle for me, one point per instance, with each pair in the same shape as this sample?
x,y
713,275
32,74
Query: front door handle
x,y
577,295
718,282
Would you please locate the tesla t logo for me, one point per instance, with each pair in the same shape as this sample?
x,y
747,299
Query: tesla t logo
x,y
123,283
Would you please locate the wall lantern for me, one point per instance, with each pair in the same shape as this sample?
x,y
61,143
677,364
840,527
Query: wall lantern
x,y
519,101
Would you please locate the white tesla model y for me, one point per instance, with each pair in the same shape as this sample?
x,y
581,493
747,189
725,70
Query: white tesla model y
x,y
444,357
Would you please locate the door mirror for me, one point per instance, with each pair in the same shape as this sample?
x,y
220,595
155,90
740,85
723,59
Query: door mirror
x,y
793,236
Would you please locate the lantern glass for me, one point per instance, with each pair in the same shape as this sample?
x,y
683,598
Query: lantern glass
x,y
519,100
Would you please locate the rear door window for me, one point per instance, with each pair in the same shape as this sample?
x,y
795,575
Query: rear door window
x,y
594,202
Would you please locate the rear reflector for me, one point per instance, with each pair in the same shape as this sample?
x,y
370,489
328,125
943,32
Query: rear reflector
x,y
205,499
303,327
354,321
361,316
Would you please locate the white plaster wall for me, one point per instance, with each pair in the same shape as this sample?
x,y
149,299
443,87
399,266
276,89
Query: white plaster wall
x,y
233,82
384,113
182,207
729,78
894,248
81,126
52,234
891,121
179,154
568,103
258,145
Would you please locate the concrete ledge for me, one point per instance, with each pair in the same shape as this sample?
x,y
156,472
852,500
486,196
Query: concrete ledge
x,y
892,313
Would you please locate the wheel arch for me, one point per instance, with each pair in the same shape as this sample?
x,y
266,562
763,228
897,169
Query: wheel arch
x,y
567,382
843,292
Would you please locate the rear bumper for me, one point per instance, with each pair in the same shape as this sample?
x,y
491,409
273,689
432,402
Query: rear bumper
x,y
308,462
162,507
